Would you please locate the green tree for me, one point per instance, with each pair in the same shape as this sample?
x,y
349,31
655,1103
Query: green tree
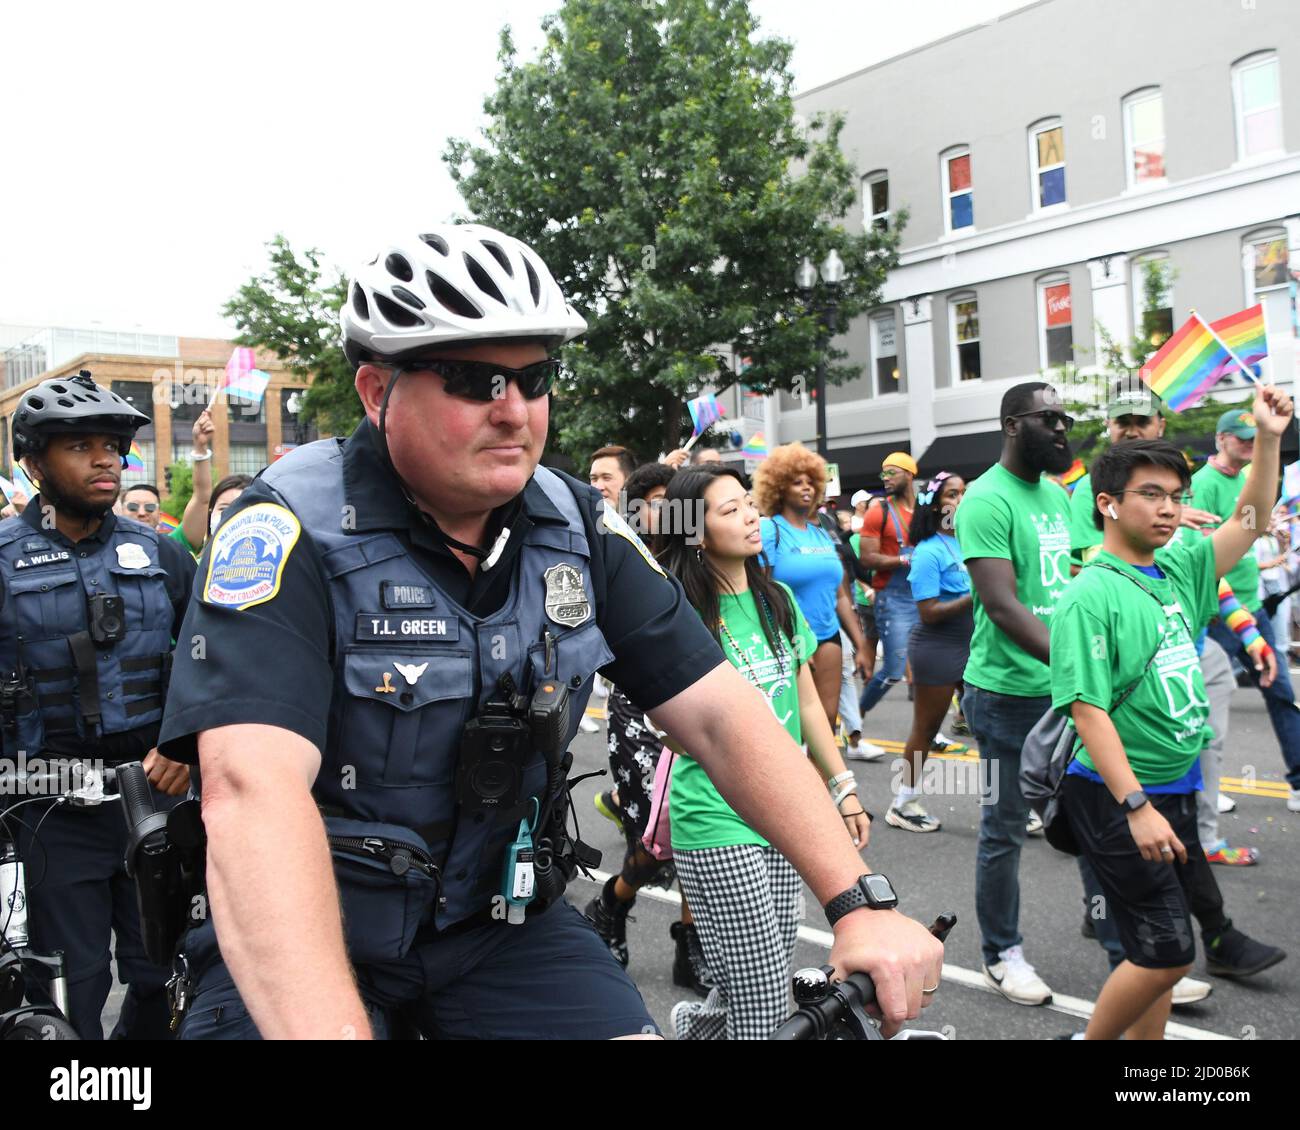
x,y
181,488
292,309
652,156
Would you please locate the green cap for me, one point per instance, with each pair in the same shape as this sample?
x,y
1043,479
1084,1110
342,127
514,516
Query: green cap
x,y
1135,400
1237,422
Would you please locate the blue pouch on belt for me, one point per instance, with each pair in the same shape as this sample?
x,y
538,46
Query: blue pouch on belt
x,y
388,885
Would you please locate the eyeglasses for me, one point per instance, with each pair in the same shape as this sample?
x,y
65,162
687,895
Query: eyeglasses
x,y
1155,495
891,473
147,507
485,381
1050,419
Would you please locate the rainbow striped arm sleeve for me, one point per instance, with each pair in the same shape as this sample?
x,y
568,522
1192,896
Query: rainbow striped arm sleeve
x,y
1241,622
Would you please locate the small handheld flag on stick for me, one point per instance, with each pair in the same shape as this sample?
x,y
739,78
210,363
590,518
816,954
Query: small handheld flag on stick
x,y
705,412
1246,370
1187,366
239,376
756,446
1244,336
134,458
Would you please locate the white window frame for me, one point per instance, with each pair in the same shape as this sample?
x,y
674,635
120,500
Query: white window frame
x,y
1137,98
1238,112
1137,267
879,316
1034,169
869,217
954,354
944,158
1040,299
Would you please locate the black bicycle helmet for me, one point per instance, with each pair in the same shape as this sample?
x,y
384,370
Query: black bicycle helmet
x,y
72,404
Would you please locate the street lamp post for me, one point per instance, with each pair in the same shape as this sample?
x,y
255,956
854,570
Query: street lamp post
x,y
827,311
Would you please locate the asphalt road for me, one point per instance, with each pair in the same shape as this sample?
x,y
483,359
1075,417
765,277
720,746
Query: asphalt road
x,y
935,873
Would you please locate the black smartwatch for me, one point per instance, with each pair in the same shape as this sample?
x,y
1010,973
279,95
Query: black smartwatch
x,y
874,891
1133,801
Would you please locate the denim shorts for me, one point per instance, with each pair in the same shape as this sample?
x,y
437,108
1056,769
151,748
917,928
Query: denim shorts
x,y
1144,900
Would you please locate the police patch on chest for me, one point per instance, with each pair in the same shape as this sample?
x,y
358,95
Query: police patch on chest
x,y
380,626
396,595
132,556
566,598
49,557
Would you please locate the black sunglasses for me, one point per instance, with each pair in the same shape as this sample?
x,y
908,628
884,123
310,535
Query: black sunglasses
x,y
1048,417
483,380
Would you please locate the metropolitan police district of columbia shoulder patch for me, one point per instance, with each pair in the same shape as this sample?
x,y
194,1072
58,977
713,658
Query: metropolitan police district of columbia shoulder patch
x,y
248,556
614,522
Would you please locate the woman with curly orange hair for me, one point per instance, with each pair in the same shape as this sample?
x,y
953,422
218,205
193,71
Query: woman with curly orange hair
x,y
804,555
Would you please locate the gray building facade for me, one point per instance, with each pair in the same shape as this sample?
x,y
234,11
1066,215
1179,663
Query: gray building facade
x,y
1043,159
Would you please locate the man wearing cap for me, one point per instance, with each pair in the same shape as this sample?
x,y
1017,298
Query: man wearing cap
x,y
1216,487
1133,412
886,548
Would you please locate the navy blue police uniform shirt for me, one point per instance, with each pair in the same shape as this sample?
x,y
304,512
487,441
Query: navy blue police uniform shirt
x,y
269,663
179,580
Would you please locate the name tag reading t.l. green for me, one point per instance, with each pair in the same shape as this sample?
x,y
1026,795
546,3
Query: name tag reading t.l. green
x,y
388,627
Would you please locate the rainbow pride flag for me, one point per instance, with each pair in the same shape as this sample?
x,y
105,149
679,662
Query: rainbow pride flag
x,y
1187,366
705,412
756,446
167,522
1071,477
135,458
1243,333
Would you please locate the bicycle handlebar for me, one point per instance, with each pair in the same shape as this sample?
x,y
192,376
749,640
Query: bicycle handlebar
x,y
838,1008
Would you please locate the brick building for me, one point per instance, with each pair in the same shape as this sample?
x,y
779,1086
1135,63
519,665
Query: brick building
x,y
171,380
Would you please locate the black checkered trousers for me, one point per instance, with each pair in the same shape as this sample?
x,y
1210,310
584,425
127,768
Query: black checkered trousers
x,y
746,904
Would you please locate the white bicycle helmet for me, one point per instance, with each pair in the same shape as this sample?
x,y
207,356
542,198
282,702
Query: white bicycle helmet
x,y
455,283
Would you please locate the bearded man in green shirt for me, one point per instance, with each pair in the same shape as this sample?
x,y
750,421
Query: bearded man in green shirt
x,y
1129,621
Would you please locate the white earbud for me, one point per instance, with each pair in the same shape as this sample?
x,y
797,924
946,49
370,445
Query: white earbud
x,y
1111,511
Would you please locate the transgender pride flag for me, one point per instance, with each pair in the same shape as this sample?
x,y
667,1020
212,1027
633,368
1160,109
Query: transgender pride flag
x,y
242,379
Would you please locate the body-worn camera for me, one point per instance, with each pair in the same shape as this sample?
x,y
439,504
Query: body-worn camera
x,y
107,618
496,742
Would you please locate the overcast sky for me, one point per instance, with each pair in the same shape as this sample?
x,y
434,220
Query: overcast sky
x,y
150,152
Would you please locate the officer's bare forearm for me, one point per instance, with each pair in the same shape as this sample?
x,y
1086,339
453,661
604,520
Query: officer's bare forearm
x,y
727,726
271,885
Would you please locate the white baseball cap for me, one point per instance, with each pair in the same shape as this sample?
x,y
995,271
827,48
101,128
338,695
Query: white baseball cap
x,y
859,496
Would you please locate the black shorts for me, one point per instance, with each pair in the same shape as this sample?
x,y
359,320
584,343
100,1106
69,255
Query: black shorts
x,y
1144,900
835,639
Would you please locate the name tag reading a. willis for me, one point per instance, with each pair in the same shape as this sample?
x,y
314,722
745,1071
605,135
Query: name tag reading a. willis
x,y
385,626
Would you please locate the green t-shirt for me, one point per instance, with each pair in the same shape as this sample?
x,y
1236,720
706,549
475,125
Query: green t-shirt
x,y
700,817
1105,630
1084,534
1027,524
859,593
1216,492
178,534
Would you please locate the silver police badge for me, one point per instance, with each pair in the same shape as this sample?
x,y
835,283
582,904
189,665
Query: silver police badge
x,y
566,599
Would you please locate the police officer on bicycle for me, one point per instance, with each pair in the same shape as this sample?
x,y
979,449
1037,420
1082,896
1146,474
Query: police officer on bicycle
x,y
394,639
89,606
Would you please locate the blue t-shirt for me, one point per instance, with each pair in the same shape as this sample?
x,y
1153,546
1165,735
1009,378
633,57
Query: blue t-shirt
x,y
809,562
1189,782
938,570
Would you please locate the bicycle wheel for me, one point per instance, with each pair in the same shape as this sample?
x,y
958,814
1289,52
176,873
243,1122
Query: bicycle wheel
x,y
38,1026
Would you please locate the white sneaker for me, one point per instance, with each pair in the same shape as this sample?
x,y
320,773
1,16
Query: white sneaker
x,y
1189,991
864,751
588,725
912,818
1034,825
679,1016
1016,980
1293,801
1226,804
